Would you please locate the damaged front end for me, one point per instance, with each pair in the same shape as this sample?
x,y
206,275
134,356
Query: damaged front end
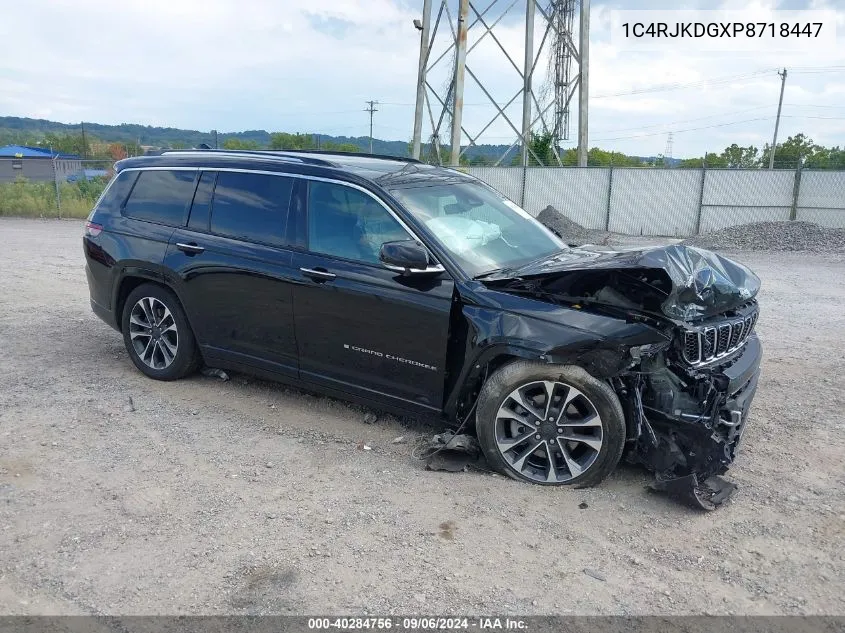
x,y
686,400
686,419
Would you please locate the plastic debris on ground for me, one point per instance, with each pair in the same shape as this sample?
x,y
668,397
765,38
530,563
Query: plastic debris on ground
x,y
705,495
450,452
213,372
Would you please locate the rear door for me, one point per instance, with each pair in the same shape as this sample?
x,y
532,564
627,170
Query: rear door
x,y
234,269
360,327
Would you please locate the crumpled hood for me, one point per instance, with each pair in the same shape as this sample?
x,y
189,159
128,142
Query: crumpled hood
x,y
687,282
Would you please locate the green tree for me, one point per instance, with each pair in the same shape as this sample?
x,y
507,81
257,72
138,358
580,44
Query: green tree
x,y
284,140
480,160
745,157
67,143
602,158
541,150
825,158
236,143
710,159
331,146
793,149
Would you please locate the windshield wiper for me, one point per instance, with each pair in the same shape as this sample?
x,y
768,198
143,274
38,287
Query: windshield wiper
x,y
495,271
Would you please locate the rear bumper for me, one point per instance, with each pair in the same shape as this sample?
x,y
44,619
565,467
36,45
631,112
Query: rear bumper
x,y
105,313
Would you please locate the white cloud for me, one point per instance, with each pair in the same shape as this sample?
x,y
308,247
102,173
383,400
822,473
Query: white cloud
x,y
299,65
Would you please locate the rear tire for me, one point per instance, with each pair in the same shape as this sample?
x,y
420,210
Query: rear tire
x,y
550,424
157,334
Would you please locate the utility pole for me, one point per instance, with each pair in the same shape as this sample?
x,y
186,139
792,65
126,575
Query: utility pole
x,y
584,86
372,110
84,144
423,27
460,69
777,120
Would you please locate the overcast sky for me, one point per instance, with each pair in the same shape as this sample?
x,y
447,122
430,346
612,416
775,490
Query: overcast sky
x,y
309,66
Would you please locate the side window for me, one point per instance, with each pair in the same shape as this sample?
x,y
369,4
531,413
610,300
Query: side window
x,y
251,206
114,197
348,223
161,196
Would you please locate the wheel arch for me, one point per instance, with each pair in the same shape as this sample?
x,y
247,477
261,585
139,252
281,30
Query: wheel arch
x,y
131,278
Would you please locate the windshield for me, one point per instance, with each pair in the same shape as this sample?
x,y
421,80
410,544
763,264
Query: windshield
x,y
483,230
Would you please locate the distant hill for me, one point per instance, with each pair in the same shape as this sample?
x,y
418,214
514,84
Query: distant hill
x,y
29,131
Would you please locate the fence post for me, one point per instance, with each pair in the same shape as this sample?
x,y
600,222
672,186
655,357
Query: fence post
x,y
609,194
522,189
56,183
796,188
700,198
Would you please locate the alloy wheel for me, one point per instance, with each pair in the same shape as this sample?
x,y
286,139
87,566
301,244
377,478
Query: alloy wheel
x,y
153,333
548,431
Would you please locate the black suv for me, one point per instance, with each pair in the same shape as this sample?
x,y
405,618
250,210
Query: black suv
x,y
421,289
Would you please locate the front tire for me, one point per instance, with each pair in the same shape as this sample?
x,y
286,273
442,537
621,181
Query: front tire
x,y
550,424
157,334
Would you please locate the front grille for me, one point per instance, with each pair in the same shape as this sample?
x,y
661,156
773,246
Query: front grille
x,y
707,343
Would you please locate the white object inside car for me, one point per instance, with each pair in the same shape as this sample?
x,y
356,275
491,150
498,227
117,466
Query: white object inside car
x,y
462,234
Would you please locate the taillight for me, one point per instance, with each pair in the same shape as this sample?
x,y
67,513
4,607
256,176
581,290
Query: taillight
x,y
92,229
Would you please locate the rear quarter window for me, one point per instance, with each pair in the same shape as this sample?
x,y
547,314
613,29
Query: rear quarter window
x,y
115,195
161,196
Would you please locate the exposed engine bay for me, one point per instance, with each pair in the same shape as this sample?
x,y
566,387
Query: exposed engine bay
x,y
687,397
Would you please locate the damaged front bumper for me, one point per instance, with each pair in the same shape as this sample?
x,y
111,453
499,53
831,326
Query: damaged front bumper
x,y
686,423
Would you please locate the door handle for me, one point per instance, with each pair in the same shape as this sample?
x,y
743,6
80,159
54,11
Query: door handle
x,y
190,249
318,275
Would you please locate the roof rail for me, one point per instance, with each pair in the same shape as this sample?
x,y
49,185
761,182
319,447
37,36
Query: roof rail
x,y
249,153
330,152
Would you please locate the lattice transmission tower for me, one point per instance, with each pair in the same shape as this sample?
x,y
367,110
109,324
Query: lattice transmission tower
x,y
545,105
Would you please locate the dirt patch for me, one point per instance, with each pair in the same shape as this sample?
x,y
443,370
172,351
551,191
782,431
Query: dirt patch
x,y
172,509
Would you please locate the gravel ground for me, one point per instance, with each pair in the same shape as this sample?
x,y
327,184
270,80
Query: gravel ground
x,y
572,232
207,497
773,236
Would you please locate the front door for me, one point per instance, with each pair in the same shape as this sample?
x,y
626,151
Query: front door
x,y
360,327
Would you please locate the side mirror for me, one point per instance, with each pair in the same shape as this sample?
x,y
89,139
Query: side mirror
x,y
408,257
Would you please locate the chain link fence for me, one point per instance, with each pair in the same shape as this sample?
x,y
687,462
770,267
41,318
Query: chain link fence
x,y
673,202
41,187
635,201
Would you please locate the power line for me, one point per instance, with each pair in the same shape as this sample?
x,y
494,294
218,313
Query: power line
x,y
820,68
681,86
707,127
701,118
715,81
806,116
691,129
812,105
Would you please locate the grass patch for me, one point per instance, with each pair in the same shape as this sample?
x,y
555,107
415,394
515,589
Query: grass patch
x,y
28,199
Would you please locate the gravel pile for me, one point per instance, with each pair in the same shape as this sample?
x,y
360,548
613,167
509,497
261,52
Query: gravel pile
x,y
773,236
573,233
